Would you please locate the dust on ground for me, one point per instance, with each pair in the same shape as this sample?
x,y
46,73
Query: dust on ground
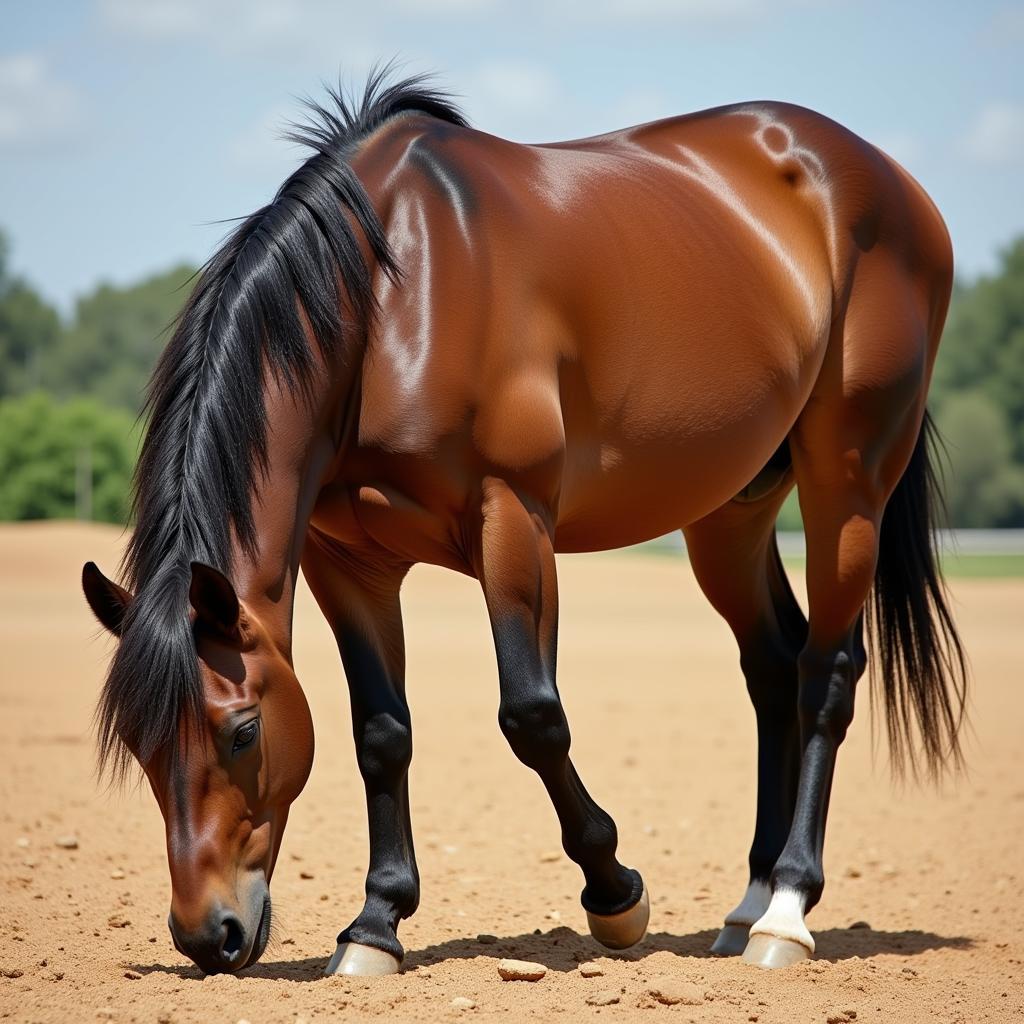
x,y
921,915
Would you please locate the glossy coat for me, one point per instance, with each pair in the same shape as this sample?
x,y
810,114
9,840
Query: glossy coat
x,y
590,344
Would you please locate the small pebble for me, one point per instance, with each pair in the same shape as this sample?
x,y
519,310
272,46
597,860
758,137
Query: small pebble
x,y
555,915
550,857
670,991
462,1003
132,975
306,874
853,872
521,970
117,921
23,842
487,940
860,924
117,873
606,997
591,970
71,843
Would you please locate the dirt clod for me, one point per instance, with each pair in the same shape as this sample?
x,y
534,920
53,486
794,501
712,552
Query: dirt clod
x,y
521,970
670,991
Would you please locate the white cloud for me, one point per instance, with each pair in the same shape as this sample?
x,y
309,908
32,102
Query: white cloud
x,y
904,147
638,106
440,8
515,85
997,135
317,33
719,12
1006,27
157,19
38,111
258,150
513,98
312,29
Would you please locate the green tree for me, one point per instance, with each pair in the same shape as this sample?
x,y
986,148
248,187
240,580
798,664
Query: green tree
x,y
115,337
57,457
29,330
983,345
984,486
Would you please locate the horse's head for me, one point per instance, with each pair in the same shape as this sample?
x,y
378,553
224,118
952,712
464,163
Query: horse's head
x,y
226,781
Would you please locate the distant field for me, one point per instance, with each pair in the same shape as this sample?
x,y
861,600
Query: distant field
x,y
969,554
957,566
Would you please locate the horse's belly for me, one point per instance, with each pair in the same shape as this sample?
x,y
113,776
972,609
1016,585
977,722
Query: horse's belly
x,y
670,445
638,496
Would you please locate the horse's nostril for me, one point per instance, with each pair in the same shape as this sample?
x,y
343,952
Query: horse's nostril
x,y
232,939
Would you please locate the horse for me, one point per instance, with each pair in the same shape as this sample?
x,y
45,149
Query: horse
x,y
435,345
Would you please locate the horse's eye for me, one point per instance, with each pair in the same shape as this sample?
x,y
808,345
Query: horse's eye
x,y
246,735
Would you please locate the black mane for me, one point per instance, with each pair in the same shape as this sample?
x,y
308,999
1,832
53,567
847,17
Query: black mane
x,y
206,446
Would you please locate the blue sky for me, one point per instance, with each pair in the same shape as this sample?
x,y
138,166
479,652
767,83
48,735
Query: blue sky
x,y
127,126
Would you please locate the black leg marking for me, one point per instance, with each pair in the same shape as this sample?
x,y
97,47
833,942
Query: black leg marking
x,y
383,737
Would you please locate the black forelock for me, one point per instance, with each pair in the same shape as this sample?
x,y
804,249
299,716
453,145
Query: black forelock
x,y
298,258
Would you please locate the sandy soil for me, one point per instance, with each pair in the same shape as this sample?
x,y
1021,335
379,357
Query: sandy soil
x,y
663,736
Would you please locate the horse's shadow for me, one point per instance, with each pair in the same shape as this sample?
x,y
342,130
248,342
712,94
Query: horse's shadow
x,y
562,949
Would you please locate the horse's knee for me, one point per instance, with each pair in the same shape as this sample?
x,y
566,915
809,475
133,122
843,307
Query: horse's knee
x,y
384,749
536,729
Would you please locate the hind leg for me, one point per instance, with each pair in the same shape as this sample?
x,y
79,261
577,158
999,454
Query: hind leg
x,y
850,447
736,562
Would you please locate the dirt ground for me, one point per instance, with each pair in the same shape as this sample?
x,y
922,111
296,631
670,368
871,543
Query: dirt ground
x,y
921,915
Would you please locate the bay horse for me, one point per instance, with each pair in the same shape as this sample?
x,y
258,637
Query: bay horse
x,y
434,345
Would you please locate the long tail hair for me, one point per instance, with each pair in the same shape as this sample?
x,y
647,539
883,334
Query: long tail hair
x,y
918,665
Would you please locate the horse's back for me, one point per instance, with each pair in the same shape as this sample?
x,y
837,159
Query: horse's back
x,y
604,310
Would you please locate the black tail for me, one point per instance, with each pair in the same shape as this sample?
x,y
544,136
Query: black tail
x,y
918,664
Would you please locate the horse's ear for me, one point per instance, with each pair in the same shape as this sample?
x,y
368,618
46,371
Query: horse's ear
x,y
214,600
107,600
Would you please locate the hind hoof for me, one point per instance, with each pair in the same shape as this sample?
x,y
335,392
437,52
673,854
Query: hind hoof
x,y
769,951
365,961
732,940
620,931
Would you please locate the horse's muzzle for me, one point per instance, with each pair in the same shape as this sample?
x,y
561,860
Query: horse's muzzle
x,y
226,942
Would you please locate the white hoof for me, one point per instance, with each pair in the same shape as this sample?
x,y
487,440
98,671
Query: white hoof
x,y
366,961
620,931
770,951
732,940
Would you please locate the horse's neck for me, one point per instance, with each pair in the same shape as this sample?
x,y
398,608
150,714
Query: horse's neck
x,y
300,446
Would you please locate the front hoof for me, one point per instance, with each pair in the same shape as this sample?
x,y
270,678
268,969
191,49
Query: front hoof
x,y
732,940
365,961
771,951
622,930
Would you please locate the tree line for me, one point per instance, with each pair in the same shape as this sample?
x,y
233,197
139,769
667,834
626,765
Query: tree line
x,y
72,389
